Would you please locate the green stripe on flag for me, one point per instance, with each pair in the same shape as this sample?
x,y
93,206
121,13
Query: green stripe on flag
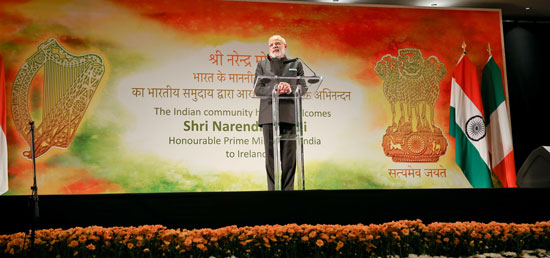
x,y
468,158
491,88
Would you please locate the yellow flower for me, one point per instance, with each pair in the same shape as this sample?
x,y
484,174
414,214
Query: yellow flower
x,y
146,250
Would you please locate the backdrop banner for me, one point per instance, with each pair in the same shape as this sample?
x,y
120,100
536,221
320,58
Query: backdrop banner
x,y
135,96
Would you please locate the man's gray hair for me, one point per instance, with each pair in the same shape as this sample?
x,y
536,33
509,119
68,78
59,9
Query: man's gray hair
x,y
277,37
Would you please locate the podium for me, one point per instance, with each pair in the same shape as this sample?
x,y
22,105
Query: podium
x,y
303,87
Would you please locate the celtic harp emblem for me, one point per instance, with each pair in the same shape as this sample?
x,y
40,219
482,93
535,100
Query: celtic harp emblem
x,y
411,86
69,84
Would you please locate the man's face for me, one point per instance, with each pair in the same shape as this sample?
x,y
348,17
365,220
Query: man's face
x,y
277,48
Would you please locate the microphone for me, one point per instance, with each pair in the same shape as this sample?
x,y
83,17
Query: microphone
x,y
312,80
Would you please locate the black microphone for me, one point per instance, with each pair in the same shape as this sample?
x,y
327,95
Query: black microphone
x,y
312,80
290,60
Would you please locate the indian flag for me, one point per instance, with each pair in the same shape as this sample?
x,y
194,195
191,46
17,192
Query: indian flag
x,y
499,133
3,126
467,125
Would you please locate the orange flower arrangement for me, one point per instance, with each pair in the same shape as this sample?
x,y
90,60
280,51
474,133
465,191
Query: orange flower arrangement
x,y
292,240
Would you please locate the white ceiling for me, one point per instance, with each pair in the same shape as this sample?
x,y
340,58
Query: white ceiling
x,y
511,9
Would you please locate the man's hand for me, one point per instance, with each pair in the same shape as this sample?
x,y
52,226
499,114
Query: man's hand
x,y
283,88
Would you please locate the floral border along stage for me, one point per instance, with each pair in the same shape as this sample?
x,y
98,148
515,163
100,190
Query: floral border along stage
x,y
394,238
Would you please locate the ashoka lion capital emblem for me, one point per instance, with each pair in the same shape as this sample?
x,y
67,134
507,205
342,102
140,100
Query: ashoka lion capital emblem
x,y
411,85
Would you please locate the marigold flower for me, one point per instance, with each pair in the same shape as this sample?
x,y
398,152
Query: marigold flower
x,y
319,242
339,245
82,239
73,243
130,245
188,242
146,250
305,238
456,241
91,247
312,234
202,247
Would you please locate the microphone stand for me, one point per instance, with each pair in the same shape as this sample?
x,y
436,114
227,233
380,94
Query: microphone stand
x,y
34,188
312,80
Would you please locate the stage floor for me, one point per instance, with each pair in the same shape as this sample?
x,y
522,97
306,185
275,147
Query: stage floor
x,y
218,209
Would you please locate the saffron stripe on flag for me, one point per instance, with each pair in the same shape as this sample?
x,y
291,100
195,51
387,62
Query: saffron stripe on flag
x,y
469,84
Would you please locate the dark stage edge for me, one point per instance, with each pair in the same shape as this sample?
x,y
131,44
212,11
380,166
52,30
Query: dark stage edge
x,y
219,209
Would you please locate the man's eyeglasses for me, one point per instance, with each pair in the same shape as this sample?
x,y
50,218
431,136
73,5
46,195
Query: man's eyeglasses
x,y
276,43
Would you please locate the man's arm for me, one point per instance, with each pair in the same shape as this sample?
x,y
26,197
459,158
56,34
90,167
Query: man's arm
x,y
261,88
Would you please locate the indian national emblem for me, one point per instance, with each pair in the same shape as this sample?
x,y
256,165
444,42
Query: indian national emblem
x,y
411,85
70,82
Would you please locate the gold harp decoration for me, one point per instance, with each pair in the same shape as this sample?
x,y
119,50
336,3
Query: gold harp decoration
x,y
70,82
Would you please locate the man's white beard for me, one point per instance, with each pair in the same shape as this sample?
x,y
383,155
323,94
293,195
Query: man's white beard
x,y
277,55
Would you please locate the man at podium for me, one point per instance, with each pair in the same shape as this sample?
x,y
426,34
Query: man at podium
x,y
277,64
